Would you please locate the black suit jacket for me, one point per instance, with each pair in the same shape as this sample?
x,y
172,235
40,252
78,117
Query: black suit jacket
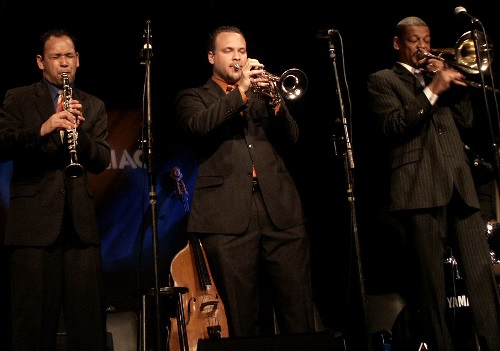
x,y
39,187
229,136
427,155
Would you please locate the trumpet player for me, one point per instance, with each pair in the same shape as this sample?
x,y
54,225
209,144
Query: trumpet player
x,y
432,191
52,236
246,208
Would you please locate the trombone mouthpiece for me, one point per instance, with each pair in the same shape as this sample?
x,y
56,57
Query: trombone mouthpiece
x,y
421,54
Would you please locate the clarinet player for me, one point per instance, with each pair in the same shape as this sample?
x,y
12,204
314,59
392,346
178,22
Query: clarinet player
x,y
52,235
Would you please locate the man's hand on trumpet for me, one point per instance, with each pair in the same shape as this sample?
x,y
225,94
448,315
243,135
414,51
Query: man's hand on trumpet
x,y
252,75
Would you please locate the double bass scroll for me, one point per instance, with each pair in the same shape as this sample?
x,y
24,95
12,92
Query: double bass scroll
x,y
205,317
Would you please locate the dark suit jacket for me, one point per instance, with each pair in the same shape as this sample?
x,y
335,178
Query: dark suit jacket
x,y
39,186
427,154
229,136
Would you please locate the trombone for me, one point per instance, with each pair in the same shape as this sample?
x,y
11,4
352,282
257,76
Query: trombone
x,y
466,57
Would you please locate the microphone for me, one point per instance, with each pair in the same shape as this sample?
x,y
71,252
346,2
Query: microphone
x,y
325,33
460,11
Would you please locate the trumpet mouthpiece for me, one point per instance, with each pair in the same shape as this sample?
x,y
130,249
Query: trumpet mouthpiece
x,y
236,67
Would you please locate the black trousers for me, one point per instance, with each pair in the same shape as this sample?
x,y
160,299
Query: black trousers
x,y
427,234
240,262
66,275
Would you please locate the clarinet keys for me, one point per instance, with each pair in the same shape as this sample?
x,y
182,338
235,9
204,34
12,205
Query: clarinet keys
x,y
74,169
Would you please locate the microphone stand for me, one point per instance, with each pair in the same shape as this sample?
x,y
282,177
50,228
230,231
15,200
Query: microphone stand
x,y
349,168
147,54
479,58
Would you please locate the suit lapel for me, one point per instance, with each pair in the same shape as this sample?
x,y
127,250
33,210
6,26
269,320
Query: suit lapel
x,y
214,89
45,105
407,78
404,74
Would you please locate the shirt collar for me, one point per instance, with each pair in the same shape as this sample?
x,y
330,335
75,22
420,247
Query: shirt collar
x,y
54,90
413,70
221,83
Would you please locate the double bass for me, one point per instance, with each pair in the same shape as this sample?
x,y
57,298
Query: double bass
x,y
204,313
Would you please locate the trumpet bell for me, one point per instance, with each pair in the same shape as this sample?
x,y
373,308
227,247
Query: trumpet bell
x,y
465,53
293,84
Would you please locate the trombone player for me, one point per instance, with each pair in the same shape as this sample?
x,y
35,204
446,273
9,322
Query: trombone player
x,y
432,192
246,209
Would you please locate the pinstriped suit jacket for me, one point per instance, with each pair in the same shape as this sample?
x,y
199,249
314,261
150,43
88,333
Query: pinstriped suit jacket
x,y
427,154
229,136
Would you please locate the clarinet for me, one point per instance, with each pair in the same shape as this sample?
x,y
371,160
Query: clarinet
x,y
74,169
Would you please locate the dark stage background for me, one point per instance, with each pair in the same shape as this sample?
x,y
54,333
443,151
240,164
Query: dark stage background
x,y
282,36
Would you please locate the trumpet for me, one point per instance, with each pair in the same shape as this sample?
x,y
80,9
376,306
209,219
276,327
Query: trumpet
x,y
291,85
73,169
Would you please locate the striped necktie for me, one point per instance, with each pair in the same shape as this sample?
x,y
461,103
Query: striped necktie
x,y
60,103
420,76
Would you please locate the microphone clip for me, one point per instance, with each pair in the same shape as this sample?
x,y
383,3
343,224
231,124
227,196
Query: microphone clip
x,y
147,49
326,33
